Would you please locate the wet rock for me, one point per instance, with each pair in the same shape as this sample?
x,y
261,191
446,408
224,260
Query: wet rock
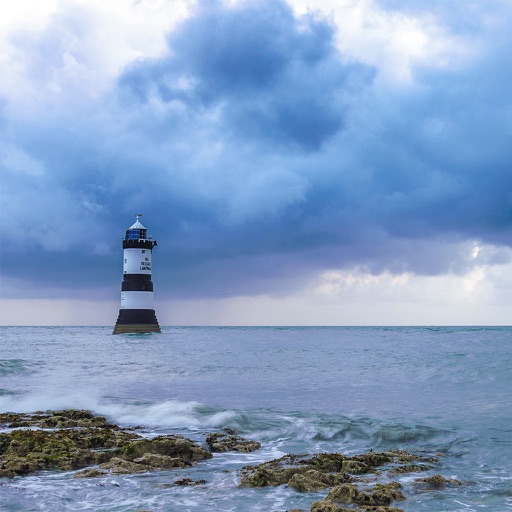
x,y
172,446
326,462
380,495
310,481
344,493
333,468
379,509
118,466
155,460
314,480
409,468
324,506
340,473
90,473
25,451
403,457
75,439
222,442
272,473
189,482
68,418
438,482
355,467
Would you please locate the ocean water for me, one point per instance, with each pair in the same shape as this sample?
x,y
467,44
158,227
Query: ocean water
x,y
445,390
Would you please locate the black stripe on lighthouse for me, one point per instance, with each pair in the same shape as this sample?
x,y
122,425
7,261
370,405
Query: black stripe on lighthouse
x,y
137,283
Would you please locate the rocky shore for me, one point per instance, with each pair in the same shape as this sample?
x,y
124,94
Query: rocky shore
x,y
90,445
349,479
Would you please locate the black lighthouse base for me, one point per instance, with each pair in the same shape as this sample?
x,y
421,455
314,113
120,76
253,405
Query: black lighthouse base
x,y
136,321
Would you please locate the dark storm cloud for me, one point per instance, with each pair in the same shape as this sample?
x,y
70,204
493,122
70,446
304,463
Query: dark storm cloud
x,y
272,76
259,156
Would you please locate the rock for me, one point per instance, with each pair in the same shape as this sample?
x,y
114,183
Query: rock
x,y
385,494
336,469
188,482
327,462
354,467
25,451
314,480
154,460
75,439
438,481
272,473
344,493
310,481
229,442
324,506
381,494
90,473
173,446
69,418
123,467
409,468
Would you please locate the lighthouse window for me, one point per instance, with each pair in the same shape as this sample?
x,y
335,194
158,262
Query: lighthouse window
x,y
132,234
143,251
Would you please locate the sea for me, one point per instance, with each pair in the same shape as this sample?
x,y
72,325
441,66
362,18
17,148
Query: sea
x,y
430,390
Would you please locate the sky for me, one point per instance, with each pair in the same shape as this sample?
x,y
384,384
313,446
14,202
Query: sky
x,y
323,162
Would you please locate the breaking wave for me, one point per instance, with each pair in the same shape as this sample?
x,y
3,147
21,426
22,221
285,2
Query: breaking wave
x,y
170,414
340,432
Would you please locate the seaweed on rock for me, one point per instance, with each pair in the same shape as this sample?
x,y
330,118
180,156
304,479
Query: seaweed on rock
x,y
75,439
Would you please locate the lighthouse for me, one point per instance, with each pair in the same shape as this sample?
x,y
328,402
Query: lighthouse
x,y
137,314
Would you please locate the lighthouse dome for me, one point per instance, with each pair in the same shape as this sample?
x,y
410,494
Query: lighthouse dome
x,y
137,231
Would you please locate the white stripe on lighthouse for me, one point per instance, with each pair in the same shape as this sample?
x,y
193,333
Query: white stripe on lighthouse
x,y
137,261
136,300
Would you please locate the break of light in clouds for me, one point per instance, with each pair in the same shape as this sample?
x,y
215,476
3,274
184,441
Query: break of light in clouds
x,y
302,162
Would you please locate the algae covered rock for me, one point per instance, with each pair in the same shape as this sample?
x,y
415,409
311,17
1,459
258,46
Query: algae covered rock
x,y
67,418
324,506
224,442
90,473
380,495
75,439
25,451
331,469
409,468
155,460
437,482
345,476
344,493
313,480
173,446
120,466
272,473
187,482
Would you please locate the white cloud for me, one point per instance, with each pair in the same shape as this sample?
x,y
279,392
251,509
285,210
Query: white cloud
x,y
393,42
53,50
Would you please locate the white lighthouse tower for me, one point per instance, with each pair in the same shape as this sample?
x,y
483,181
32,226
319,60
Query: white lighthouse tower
x,y
137,314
